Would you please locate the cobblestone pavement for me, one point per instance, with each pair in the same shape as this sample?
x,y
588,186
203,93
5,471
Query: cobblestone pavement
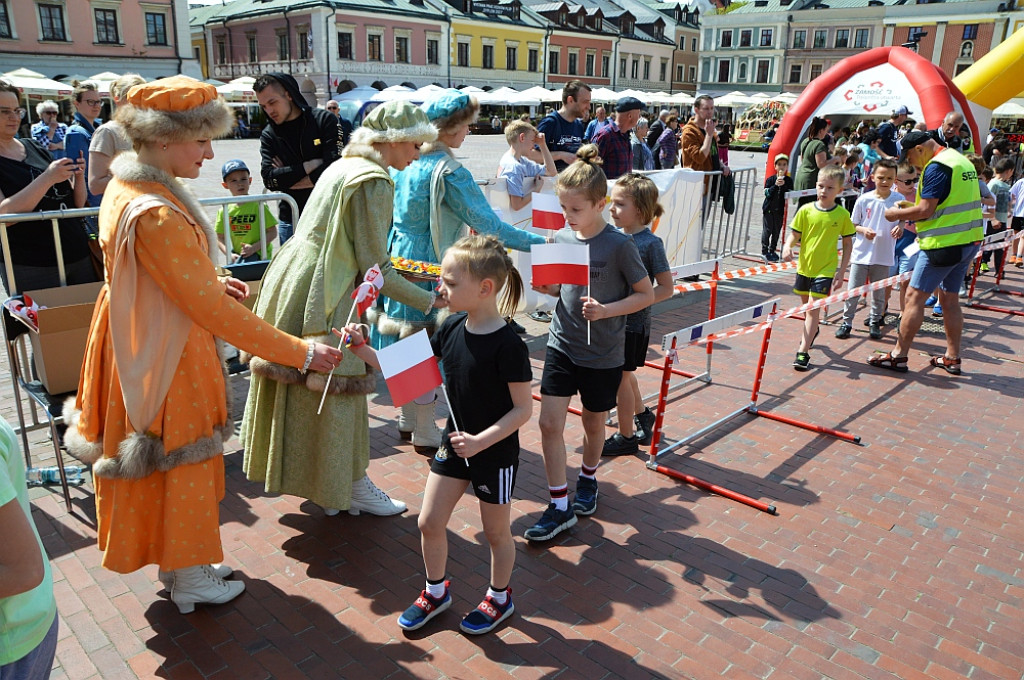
x,y
900,557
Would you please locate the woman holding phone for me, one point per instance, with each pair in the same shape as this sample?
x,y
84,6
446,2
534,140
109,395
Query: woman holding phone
x,y
31,181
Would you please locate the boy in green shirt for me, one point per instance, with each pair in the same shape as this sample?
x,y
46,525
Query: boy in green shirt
x,y
244,217
818,227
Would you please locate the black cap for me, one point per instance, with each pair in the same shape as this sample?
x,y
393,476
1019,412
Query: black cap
x,y
912,139
629,104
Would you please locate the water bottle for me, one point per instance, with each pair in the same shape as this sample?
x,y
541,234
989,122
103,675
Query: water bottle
x,y
51,475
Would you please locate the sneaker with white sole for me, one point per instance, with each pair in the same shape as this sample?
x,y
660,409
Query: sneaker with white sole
x,y
488,615
425,608
366,497
584,503
551,523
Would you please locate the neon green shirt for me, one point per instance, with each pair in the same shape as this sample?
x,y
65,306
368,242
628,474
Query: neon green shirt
x,y
25,618
245,225
820,231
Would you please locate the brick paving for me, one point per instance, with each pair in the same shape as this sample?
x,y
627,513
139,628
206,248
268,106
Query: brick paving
x,y
902,557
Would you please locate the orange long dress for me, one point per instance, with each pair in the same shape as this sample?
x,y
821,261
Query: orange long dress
x,y
170,518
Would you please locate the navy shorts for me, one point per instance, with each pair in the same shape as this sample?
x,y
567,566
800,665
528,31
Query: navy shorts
x,y
597,387
818,287
636,350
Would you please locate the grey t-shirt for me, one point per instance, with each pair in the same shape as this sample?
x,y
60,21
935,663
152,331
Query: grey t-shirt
x,y
652,254
615,266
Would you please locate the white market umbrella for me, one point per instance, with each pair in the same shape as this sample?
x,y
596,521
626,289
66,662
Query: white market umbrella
x,y
362,93
32,83
542,94
682,98
393,92
103,81
471,89
603,94
239,89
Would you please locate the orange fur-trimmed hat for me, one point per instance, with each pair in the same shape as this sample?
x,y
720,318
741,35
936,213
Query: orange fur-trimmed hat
x,y
174,109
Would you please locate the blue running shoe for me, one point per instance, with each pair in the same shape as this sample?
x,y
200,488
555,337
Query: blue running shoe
x,y
487,615
424,608
552,523
937,311
930,301
585,502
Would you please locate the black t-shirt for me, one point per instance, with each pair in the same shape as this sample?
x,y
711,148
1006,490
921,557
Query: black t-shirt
x,y
561,135
477,371
32,242
888,134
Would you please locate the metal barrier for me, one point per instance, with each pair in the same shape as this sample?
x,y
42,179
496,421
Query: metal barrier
x,y
55,215
728,234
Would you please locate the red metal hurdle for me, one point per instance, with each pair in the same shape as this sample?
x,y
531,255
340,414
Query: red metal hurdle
x,y
1005,240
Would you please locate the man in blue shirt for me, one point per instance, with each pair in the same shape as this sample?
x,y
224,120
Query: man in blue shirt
x,y
594,126
563,129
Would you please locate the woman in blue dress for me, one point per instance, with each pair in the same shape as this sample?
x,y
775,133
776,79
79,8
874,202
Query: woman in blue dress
x,y
435,199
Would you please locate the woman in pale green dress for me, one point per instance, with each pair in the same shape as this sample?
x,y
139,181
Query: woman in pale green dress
x,y
307,291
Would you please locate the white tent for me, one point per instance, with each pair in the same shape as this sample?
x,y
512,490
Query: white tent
x,y
506,96
603,94
103,81
393,92
32,83
426,92
1013,107
362,93
239,89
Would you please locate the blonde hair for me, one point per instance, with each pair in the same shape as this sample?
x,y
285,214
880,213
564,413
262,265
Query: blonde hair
x,y
516,128
119,88
834,173
483,257
584,175
644,193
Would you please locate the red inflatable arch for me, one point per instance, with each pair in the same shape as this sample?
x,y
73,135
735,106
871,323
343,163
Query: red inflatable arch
x,y
871,84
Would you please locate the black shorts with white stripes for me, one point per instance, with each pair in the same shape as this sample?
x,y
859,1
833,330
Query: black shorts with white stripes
x,y
492,473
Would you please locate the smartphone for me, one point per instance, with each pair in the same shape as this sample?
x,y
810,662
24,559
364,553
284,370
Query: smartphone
x,y
75,144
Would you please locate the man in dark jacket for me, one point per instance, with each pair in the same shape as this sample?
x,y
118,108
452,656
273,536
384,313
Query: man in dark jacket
x,y
296,147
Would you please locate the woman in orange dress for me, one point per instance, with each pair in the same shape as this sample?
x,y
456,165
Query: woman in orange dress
x,y
151,412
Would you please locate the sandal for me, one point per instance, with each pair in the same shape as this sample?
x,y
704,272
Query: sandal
x,y
888,361
952,366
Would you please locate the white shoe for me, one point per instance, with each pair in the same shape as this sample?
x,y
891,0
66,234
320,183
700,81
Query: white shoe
x,y
199,585
406,422
331,512
167,577
366,497
426,437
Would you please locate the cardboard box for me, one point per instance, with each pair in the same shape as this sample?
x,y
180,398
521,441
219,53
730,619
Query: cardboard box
x,y
58,348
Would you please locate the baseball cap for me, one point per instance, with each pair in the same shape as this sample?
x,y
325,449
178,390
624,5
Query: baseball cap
x,y
629,104
912,139
232,166
903,111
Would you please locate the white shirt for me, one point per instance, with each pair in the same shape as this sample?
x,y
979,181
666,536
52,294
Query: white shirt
x,y
869,211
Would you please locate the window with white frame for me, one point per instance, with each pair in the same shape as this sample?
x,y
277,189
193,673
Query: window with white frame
x,y
606,65
106,26
726,39
647,68
745,37
622,67
742,77
401,49
679,73
842,38
692,74
764,67
533,59
573,64
820,38
433,51
462,53
375,46
590,63
156,28
250,41
860,38
51,22
634,71
511,57
305,39
799,40
345,45
815,71
553,62
488,56
766,37
222,51
693,44
724,70
795,73
664,69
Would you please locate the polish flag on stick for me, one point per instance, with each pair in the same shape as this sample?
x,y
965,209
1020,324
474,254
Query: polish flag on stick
x,y
364,295
410,368
547,212
557,263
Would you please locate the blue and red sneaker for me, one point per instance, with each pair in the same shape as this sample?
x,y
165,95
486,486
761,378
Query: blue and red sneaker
x,y
424,608
487,615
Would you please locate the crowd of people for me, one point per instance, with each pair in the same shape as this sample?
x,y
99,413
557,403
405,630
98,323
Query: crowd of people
x,y
151,414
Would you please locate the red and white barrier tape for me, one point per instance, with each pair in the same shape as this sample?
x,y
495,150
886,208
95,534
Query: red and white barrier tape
x,y
1001,244
816,304
734,274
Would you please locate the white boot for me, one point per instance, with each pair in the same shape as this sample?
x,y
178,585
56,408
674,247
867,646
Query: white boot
x,y
366,497
406,422
199,585
167,577
426,438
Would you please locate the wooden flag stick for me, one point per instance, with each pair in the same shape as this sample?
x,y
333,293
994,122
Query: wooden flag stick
x,y
451,411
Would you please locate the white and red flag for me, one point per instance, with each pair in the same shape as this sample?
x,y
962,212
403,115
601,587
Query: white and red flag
x,y
560,263
547,212
367,291
409,367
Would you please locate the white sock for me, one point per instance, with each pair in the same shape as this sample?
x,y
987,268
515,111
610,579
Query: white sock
x,y
499,596
436,590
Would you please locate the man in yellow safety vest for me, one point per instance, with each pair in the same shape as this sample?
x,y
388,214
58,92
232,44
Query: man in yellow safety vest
x,y
949,229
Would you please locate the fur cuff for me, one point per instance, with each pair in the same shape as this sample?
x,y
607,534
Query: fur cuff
x,y
340,384
77,445
140,455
